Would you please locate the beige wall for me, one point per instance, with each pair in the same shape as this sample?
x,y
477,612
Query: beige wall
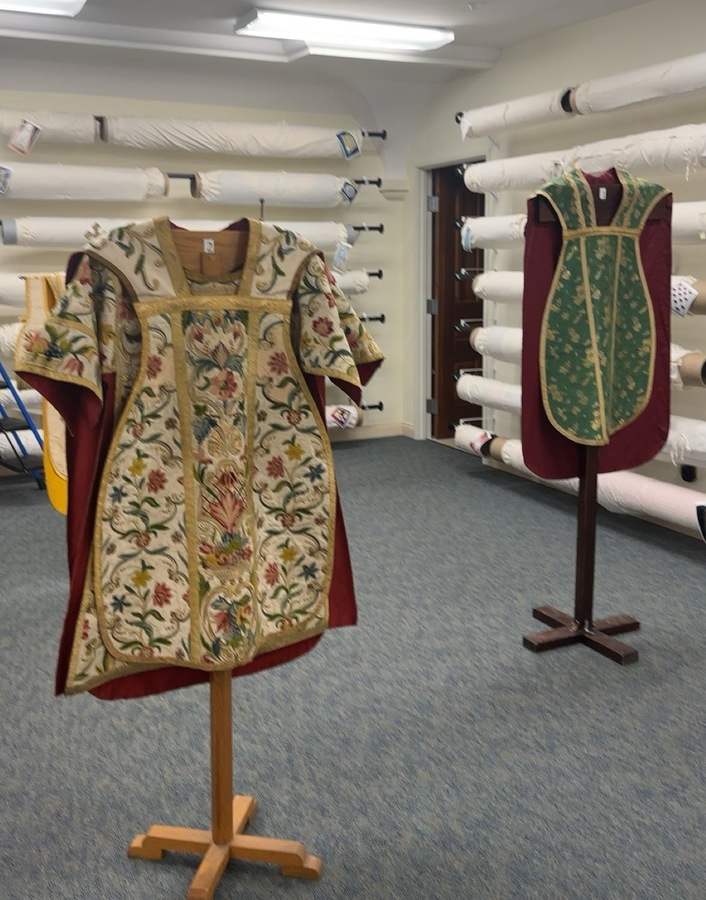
x,y
636,37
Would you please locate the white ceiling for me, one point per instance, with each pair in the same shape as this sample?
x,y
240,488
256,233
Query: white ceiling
x,y
205,27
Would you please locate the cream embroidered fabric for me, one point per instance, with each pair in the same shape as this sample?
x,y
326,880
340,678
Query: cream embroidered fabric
x,y
237,138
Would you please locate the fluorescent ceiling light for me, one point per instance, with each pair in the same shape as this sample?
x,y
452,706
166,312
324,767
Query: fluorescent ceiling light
x,y
44,7
327,31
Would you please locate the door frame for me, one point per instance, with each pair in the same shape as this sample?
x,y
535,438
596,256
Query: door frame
x,y
422,425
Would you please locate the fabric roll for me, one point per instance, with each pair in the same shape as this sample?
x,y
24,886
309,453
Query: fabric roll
x,y
499,342
356,281
8,341
500,287
689,223
676,149
493,231
678,76
32,400
627,493
489,392
55,128
686,442
514,173
275,188
471,439
29,442
324,235
12,292
532,110
238,138
41,181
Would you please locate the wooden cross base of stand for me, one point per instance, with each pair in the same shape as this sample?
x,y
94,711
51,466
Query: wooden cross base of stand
x,y
229,818
564,629
581,628
290,856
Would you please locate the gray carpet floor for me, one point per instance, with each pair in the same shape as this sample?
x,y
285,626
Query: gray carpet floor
x,y
423,754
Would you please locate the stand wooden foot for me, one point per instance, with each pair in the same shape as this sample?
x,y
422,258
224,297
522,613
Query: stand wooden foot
x,y
564,630
290,856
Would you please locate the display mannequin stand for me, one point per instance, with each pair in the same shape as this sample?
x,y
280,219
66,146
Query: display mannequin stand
x,y
581,627
229,817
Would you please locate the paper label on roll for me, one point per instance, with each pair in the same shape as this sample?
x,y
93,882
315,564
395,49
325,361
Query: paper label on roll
x,y
24,137
5,175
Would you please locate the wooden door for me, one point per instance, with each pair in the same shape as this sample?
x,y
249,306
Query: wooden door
x,y
454,307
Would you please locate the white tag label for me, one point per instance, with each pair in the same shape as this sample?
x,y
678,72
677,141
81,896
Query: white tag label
x,y
24,137
5,175
340,255
209,246
602,193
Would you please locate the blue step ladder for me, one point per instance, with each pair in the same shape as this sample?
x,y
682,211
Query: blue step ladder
x,y
18,459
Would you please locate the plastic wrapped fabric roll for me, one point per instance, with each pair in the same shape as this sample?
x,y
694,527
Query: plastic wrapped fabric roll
x,y
532,110
471,439
514,173
489,392
500,287
56,128
676,149
678,76
493,231
275,188
238,138
12,292
40,181
499,342
628,493
356,281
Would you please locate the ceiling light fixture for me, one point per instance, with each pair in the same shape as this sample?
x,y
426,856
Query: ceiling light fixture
x,y
346,34
44,7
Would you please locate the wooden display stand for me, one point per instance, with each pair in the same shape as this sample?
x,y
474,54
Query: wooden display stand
x,y
581,628
229,818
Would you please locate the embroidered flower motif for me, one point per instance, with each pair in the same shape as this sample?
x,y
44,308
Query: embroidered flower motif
x,y
227,510
288,554
275,467
224,385
286,519
85,630
293,416
323,326
137,467
272,574
156,480
315,472
140,578
34,343
310,571
171,423
119,604
74,366
162,594
294,451
154,366
278,363
228,480
117,493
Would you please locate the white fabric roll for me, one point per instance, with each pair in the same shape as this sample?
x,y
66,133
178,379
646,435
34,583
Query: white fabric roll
x,y
532,110
275,188
29,442
12,291
678,76
31,399
471,439
56,128
686,442
672,149
499,342
238,138
628,493
41,181
490,392
8,341
689,222
515,173
356,281
493,231
71,233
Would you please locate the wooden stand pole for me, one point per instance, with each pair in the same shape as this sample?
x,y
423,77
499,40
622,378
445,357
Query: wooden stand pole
x,y
581,628
229,818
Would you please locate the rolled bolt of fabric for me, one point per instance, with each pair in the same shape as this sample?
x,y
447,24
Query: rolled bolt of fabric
x,y
274,188
499,342
493,231
532,110
12,292
42,181
514,173
687,367
54,128
276,139
472,439
343,416
356,281
482,391
500,287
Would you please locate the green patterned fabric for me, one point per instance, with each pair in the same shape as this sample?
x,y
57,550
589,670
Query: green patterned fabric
x,y
598,334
